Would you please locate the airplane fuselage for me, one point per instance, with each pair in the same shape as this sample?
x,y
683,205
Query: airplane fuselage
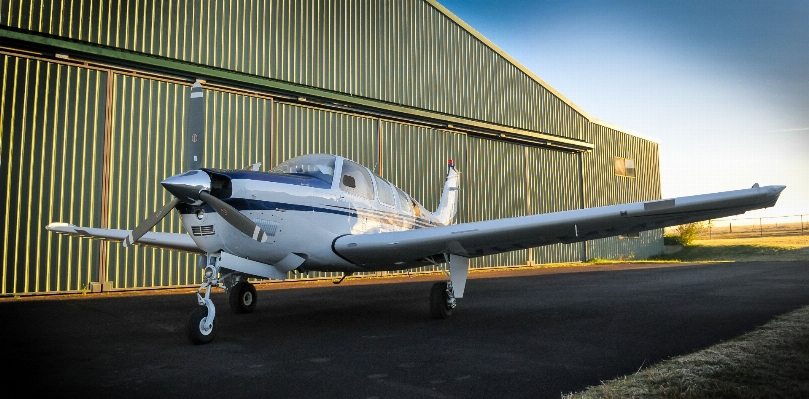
x,y
300,214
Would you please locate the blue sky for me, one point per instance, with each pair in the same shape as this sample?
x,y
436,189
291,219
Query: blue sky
x,y
723,86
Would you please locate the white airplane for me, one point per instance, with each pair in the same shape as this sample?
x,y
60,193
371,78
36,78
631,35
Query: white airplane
x,y
327,213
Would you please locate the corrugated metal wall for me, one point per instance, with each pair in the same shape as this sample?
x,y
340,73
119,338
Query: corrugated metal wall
x,y
414,158
52,126
495,189
553,185
304,130
148,124
602,187
59,121
147,119
405,52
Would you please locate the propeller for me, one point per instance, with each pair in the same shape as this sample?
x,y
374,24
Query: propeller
x,y
194,186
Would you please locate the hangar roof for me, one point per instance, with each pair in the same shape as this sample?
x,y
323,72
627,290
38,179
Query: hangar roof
x,y
528,72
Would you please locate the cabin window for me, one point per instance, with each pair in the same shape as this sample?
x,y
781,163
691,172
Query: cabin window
x,y
356,180
624,167
417,209
404,202
384,191
318,166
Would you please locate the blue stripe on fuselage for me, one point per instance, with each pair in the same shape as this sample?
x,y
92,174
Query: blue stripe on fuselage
x,y
283,178
244,204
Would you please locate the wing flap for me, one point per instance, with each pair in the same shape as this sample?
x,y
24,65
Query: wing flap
x,y
504,235
173,241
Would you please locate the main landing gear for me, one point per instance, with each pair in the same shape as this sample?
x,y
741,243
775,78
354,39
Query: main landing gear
x,y
241,296
442,300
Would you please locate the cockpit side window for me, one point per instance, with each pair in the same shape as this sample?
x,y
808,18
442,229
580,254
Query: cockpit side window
x,y
318,166
417,209
384,191
356,180
404,202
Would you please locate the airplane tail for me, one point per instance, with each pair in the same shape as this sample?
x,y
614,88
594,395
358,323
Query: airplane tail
x,y
448,206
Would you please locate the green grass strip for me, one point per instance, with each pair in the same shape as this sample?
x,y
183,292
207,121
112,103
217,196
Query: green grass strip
x,y
769,362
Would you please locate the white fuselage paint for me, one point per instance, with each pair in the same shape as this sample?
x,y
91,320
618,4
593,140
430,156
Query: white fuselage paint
x,y
308,220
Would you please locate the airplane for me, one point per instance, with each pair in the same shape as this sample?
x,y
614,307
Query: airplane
x,y
323,212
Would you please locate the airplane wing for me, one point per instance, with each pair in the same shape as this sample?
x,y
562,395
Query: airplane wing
x,y
409,248
178,242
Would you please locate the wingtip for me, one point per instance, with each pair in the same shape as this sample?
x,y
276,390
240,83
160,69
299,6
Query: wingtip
x,y
55,225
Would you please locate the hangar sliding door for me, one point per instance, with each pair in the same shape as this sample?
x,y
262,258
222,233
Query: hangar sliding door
x,y
553,185
495,189
414,158
148,123
51,130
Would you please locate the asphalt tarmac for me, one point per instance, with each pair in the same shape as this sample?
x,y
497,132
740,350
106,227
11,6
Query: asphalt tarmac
x,y
522,334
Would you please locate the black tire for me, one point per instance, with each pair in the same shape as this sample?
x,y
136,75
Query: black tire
x,y
438,301
196,334
242,297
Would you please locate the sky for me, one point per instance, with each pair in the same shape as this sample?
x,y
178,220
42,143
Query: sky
x,y
722,86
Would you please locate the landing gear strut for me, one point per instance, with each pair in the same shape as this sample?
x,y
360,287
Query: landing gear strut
x,y
442,300
200,325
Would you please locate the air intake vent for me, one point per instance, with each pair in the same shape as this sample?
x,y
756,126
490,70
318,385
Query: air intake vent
x,y
203,230
268,226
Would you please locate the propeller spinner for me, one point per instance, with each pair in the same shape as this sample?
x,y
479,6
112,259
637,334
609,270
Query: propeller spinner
x,y
194,186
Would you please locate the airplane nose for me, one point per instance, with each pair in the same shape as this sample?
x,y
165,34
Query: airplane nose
x,y
187,186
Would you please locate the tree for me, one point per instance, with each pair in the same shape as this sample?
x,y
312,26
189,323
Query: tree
x,y
687,233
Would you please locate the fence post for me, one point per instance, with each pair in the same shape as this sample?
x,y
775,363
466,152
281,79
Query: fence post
x,y
760,228
801,224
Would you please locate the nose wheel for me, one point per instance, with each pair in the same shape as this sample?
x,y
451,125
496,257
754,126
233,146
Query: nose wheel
x,y
442,300
200,328
200,325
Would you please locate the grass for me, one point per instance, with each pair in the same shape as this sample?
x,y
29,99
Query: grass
x,y
770,362
788,248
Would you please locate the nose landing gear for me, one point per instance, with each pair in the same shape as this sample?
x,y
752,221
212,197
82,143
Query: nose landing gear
x,y
200,325
241,297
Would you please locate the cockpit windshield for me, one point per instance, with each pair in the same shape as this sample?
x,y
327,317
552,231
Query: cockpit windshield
x,y
319,166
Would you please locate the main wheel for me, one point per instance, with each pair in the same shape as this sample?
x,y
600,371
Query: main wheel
x,y
439,307
242,297
197,333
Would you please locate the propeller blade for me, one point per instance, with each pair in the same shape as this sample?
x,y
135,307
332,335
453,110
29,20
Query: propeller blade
x,y
195,143
149,223
234,217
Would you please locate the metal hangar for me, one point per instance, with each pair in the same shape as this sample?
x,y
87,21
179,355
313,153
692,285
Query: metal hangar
x,y
93,99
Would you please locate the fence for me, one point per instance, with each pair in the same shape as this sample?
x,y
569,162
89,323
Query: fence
x,y
771,226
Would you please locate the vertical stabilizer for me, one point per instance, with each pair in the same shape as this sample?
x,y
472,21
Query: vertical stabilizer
x,y
448,206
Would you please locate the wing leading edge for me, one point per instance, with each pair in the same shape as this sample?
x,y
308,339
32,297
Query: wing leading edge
x,y
504,235
178,242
